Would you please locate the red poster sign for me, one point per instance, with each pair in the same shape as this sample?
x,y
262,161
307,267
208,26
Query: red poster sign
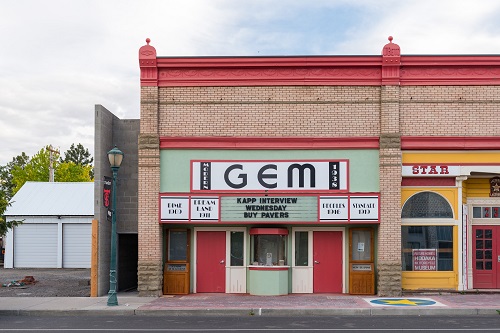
x,y
424,259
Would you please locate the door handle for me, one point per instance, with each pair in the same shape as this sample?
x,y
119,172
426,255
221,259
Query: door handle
x,y
316,262
221,262
498,258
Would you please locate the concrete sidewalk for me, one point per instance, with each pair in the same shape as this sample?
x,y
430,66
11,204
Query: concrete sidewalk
x,y
247,305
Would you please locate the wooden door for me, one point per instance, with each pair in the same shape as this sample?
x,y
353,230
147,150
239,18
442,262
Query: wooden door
x,y
210,262
327,262
486,257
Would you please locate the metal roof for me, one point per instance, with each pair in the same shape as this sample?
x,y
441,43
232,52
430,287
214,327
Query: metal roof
x,y
53,199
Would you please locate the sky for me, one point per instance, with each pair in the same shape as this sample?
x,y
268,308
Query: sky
x,y
59,58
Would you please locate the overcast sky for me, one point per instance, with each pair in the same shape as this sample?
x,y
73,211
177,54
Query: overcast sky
x,y
58,58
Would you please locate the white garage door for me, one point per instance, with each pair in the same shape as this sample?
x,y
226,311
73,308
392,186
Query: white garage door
x,y
35,245
77,245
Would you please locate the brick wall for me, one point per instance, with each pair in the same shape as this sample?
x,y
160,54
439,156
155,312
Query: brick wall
x,y
317,111
449,110
149,269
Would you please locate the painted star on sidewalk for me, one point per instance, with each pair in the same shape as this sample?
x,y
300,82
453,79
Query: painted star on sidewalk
x,y
402,301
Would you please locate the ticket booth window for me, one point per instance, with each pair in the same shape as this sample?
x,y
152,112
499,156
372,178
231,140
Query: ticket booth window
x,y
269,246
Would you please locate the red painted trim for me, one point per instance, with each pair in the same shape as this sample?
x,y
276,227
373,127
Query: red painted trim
x,y
266,143
450,143
218,196
425,181
268,268
268,231
390,68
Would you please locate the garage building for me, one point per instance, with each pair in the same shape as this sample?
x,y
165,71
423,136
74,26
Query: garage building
x,y
57,226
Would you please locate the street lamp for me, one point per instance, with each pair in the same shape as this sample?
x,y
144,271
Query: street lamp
x,y
115,157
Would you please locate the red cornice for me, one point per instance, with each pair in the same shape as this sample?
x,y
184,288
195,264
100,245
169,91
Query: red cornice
x,y
266,143
390,68
450,143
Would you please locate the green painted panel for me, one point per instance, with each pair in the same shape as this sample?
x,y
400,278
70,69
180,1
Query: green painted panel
x,y
266,283
175,164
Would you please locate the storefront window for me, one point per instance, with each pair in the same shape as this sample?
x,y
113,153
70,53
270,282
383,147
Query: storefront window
x,y
268,250
427,248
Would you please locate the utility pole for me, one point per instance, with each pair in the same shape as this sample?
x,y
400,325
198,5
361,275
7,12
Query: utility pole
x,y
51,162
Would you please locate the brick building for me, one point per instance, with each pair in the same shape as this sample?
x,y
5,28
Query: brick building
x,y
342,174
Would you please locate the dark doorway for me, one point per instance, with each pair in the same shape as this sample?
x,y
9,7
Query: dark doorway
x,y
128,256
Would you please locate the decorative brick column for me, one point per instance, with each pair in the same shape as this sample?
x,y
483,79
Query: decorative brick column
x,y
149,270
389,235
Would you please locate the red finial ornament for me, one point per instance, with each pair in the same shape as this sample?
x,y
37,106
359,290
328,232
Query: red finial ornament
x,y
148,40
390,39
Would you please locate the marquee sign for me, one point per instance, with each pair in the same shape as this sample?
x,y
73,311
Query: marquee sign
x,y
273,209
245,176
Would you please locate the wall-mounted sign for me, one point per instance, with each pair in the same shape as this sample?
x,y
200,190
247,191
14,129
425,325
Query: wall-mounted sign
x,y
269,175
429,170
424,259
334,208
178,209
362,267
273,209
495,187
364,208
349,208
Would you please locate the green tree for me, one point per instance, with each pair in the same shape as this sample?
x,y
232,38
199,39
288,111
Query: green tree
x,y
7,190
78,155
37,169
6,184
71,172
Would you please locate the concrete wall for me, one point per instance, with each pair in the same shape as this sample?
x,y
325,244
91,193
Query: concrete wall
x,y
111,131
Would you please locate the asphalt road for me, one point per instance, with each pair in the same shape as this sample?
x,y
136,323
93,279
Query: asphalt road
x,y
251,324
50,282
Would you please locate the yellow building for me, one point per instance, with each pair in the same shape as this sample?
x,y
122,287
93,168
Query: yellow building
x,y
450,202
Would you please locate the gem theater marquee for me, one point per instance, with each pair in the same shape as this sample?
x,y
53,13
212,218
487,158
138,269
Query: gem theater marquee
x,y
270,177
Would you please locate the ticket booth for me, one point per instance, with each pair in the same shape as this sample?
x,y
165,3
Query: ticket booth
x,y
361,266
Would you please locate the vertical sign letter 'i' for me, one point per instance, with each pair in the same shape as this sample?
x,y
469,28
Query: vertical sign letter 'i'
x,y
334,175
205,175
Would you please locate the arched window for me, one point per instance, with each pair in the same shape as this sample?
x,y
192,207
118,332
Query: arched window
x,y
434,243
426,205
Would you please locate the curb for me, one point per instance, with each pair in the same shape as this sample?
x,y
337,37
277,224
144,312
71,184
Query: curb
x,y
258,312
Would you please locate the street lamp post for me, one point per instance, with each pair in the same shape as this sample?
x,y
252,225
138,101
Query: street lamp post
x,y
115,156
